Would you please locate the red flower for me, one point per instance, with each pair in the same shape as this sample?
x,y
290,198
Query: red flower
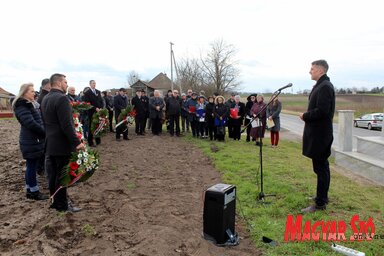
x,y
88,103
73,166
73,174
74,115
79,135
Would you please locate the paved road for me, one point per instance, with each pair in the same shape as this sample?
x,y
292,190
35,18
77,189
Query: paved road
x,y
295,125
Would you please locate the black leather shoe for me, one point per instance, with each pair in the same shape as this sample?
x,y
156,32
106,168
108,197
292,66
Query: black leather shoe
x,y
73,208
314,208
36,196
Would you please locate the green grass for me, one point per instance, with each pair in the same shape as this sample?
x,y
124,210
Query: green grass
x,y
289,175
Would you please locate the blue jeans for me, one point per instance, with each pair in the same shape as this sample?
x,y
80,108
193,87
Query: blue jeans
x,y
30,174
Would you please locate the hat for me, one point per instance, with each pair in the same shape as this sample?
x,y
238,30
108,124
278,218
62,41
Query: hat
x,y
194,93
233,94
249,97
219,97
183,94
122,90
202,97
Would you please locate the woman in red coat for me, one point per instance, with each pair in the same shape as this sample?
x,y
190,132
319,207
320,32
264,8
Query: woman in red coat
x,y
259,124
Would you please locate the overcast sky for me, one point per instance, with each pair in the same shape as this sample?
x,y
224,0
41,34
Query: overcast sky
x,y
276,40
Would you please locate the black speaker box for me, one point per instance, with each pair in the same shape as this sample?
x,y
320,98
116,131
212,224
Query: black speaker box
x,y
219,212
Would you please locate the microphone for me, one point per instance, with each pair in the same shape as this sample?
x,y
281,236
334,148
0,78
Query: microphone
x,y
285,87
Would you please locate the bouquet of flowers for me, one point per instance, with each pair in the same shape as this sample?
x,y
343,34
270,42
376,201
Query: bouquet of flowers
x,y
100,123
126,118
79,106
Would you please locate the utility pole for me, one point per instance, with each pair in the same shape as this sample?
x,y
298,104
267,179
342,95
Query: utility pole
x,y
171,66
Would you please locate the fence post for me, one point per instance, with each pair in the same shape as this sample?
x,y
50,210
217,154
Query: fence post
x,y
345,130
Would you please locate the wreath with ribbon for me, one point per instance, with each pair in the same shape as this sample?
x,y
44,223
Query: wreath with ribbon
x,y
99,123
80,106
126,118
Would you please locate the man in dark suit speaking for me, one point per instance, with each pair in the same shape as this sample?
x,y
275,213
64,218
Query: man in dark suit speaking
x,y
318,131
61,139
93,96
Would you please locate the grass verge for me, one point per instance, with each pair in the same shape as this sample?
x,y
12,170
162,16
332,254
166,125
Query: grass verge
x,y
289,175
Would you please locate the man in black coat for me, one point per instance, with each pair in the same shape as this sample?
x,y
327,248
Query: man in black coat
x,y
93,96
318,131
174,110
156,106
45,88
120,102
108,99
61,139
138,102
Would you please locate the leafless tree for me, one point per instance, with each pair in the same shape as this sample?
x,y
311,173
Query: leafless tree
x,y
133,77
220,68
190,75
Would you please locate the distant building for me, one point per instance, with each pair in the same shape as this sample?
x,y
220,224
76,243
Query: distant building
x,y
160,82
6,100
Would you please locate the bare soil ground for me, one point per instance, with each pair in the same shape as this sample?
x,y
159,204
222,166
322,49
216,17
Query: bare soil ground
x,y
145,199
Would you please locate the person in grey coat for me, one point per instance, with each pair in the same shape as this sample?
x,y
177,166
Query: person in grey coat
x,y
273,114
156,106
318,131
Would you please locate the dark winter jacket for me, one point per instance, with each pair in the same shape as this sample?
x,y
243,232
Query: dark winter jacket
x,y
42,94
32,132
318,129
60,137
120,103
209,116
139,105
191,104
241,113
274,111
153,102
173,105
221,114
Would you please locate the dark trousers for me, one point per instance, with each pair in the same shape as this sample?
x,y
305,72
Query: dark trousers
x,y
236,132
90,134
122,129
321,168
201,129
247,121
230,130
54,167
174,120
110,117
211,131
194,128
140,125
156,126
184,123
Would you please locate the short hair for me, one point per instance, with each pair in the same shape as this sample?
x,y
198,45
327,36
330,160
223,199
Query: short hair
x,y
90,81
237,97
56,78
321,63
45,82
122,90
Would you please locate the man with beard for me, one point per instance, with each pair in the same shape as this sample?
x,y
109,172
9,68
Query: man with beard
x,y
93,96
61,139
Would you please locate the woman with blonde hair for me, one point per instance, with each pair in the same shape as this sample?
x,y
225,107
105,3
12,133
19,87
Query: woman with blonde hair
x,y
32,136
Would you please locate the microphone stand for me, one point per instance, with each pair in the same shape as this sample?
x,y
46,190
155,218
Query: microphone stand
x,y
261,195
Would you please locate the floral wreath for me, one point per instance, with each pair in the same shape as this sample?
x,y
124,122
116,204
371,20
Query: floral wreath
x,y
99,123
126,118
80,106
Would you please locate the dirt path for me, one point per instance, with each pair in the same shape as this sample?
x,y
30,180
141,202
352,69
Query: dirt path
x,y
146,199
